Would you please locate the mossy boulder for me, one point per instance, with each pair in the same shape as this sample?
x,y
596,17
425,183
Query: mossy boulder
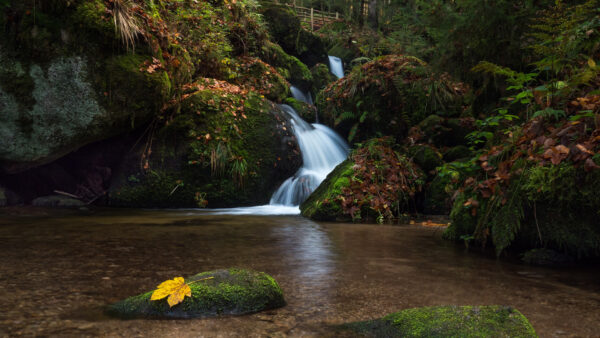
x,y
307,111
61,87
426,157
436,199
321,77
448,321
457,153
266,80
292,69
286,30
387,96
225,292
226,147
376,183
322,204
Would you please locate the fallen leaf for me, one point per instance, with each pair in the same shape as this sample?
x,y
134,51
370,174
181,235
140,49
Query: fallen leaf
x,y
176,289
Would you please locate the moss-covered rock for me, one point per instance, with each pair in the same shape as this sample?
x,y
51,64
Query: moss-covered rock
x,y
448,321
321,77
387,96
426,157
457,153
322,203
254,73
375,184
62,88
292,69
307,111
286,30
225,292
436,199
226,147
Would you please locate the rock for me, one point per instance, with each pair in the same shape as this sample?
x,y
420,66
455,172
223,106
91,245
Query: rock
x,y
321,77
229,292
457,153
546,257
57,201
437,201
425,157
383,193
209,157
306,111
58,95
286,30
448,321
292,69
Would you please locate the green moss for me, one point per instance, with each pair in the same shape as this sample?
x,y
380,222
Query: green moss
x,y
306,111
449,321
322,204
241,162
425,157
228,292
93,15
321,77
286,30
126,85
437,199
292,69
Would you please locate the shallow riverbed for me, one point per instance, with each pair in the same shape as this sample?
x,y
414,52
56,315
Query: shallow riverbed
x,y
59,269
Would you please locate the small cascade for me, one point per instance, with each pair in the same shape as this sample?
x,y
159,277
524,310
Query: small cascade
x,y
299,95
336,66
322,150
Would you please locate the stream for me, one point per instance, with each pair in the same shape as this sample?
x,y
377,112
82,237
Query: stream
x,y
61,268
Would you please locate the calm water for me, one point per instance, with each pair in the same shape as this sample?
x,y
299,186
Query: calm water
x,y
59,271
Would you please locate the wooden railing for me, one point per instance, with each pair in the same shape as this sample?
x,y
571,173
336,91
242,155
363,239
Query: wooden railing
x,y
310,18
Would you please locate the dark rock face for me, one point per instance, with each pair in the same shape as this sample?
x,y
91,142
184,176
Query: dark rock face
x,y
227,292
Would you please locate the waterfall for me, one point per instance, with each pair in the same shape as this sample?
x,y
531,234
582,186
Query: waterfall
x,y
336,66
322,150
299,95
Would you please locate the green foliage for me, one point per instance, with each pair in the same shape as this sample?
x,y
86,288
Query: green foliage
x,y
386,97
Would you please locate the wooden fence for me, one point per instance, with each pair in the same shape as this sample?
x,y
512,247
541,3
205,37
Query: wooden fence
x,y
311,18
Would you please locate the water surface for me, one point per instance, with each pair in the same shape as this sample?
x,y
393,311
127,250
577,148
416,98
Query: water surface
x,y
58,271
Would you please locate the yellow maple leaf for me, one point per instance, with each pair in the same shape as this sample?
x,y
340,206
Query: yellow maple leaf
x,y
175,288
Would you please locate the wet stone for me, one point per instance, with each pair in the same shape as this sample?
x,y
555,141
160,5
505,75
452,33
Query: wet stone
x,y
227,292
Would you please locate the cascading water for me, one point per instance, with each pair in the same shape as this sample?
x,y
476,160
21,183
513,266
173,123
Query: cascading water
x,y
336,67
299,95
322,150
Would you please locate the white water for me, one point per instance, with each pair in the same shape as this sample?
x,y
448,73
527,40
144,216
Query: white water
x,y
336,66
322,150
299,95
